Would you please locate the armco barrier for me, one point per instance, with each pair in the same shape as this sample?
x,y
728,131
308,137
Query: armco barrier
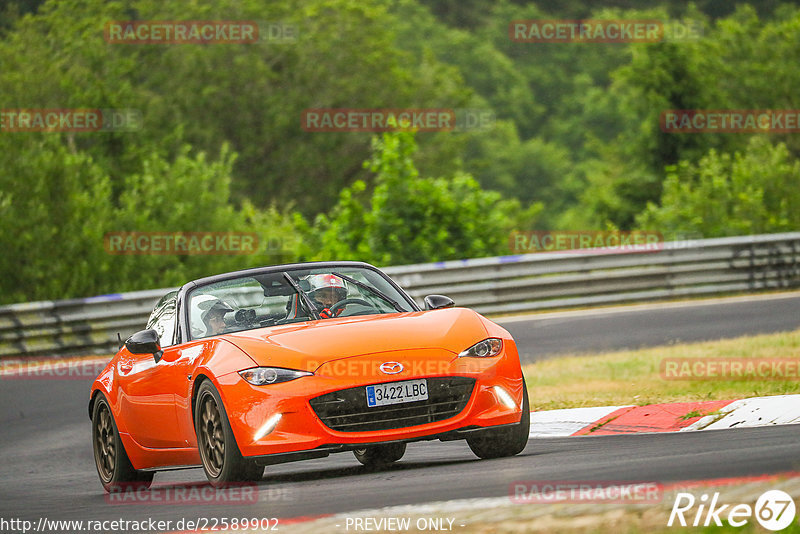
x,y
504,284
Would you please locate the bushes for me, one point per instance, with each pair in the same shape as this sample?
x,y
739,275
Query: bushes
x,y
411,219
754,192
57,205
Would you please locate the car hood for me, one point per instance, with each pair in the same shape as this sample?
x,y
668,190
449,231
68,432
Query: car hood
x,y
306,346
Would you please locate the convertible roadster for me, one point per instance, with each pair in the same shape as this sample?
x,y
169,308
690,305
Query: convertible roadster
x,y
242,370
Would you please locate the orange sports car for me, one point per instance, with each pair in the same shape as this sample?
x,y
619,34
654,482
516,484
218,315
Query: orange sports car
x,y
239,371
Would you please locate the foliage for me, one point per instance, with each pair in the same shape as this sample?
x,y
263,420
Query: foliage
x,y
754,192
576,143
410,219
57,207
249,95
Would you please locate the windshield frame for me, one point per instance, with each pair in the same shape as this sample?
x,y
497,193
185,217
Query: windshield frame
x,y
185,290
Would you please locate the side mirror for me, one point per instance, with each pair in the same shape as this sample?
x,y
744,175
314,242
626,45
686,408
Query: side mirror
x,y
144,342
437,302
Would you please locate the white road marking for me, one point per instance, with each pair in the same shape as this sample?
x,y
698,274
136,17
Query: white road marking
x,y
752,412
559,423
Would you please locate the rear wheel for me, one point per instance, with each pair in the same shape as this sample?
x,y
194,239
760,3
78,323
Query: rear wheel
x,y
504,441
380,455
113,465
222,461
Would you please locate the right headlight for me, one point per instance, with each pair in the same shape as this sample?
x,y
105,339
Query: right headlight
x,y
484,349
262,376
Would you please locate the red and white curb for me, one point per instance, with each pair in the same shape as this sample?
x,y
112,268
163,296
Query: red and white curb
x,y
671,417
756,411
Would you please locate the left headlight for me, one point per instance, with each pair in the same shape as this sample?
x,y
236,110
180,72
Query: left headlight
x,y
484,349
262,376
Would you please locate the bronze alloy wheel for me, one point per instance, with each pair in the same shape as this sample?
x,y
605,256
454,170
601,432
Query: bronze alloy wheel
x,y
105,451
113,465
212,436
223,462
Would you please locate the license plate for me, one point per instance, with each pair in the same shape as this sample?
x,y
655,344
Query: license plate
x,y
397,392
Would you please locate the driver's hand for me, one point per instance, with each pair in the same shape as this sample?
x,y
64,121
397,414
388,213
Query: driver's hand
x,y
326,313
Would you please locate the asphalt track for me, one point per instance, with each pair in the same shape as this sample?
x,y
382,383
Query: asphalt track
x,y
547,335
47,469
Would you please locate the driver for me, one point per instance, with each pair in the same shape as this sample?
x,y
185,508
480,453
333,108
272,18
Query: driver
x,y
212,313
326,290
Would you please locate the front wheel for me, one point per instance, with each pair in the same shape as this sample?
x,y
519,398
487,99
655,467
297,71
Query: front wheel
x,y
504,441
112,462
222,461
380,455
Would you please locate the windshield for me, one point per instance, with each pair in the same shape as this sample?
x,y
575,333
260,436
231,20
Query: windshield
x,y
293,296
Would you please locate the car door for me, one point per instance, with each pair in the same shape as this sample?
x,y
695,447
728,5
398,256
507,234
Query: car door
x,y
147,403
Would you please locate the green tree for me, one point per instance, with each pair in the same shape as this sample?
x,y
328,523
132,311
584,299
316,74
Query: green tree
x,y
411,219
249,95
54,210
751,192
57,207
742,62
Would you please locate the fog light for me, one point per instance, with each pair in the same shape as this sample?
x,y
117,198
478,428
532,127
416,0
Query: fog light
x,y
268,427
505,398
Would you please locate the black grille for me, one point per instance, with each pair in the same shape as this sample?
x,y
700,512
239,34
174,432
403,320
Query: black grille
x,y
347,411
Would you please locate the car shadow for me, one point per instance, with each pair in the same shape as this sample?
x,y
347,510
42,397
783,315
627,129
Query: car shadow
x,y
199,492
311,473
305,475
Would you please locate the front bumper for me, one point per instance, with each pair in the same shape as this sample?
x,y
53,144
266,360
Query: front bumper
x,y
331,448
301,430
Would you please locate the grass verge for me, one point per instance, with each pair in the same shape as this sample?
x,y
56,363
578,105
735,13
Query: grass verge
x,y
634,376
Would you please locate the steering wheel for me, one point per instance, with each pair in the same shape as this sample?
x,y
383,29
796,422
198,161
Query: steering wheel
x,y
344,302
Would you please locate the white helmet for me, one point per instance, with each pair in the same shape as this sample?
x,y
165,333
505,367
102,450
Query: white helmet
x,y
319,282
202,308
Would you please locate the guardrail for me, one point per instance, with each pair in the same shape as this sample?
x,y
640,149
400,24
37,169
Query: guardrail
x,y
504,284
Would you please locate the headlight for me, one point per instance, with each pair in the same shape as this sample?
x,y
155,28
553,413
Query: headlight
x,y
485,349
261,376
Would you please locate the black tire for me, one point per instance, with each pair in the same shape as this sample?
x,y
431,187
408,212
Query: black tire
x,y
380,455
113,465
504,441
223,463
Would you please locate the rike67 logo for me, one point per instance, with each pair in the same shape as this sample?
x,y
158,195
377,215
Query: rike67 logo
x,y
774,510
